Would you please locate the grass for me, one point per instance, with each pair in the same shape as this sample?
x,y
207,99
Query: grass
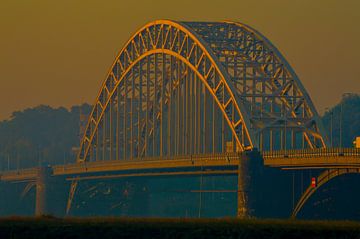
x,y
49,227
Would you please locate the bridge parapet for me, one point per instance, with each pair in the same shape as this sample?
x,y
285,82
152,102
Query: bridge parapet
x,y
29,174
313,158
151,163
305,153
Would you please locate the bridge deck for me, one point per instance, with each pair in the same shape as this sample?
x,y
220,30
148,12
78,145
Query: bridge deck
x,y
195,164
313,158
183,165
28,174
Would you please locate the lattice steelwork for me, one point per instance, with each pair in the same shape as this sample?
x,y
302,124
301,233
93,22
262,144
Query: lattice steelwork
x,y
194,88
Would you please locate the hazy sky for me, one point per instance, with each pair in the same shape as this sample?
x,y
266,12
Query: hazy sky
x,y
58,52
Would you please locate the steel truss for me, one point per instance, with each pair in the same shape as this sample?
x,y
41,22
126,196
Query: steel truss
x,y
197,88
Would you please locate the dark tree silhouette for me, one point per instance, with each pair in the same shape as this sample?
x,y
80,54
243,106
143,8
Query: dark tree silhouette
x,y
40,135
344,115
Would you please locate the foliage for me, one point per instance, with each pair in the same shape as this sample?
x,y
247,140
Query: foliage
x,y
346,115
174,228
40,135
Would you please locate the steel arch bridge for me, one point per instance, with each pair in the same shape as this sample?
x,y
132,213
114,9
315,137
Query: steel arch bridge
x,y
187,88
194,99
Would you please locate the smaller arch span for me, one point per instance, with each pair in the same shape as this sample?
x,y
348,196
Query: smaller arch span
x,y
321,180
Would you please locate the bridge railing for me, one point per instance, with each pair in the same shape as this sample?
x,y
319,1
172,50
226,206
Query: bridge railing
x,y
307,153
27,174
149,162
20,171
193,157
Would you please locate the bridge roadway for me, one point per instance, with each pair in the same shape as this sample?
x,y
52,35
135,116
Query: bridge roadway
x,y
187,165
313,158
226,163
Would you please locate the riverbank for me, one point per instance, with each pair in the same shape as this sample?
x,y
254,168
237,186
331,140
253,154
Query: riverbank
x,y
96,228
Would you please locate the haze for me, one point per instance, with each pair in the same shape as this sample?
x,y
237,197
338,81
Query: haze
x,y
58,52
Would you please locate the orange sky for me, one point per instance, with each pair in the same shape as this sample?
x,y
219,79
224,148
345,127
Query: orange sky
x,y
58,52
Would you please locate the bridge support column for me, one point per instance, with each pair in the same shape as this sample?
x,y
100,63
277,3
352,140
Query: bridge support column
x,y
42,191
249,164
242,182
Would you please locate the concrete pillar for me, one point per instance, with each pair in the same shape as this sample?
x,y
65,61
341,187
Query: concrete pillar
x,y
249,164
242,182
42,191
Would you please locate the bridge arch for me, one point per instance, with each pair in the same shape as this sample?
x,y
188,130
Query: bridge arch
x,y
169,38
279,108
321,180
258,98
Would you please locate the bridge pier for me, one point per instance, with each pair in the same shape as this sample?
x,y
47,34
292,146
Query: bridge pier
x,y
42,191
242,182
249,169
